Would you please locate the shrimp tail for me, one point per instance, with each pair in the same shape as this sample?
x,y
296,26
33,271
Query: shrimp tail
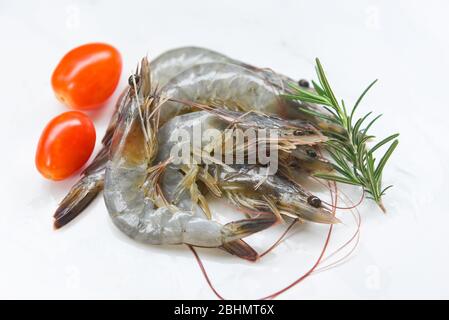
x,y
246,227
241,249
84,191
78,198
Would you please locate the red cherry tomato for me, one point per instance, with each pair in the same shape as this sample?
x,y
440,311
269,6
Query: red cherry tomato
x,y
65,145
87,76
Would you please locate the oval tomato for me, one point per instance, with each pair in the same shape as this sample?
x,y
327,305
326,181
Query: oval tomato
x,y
65,145
87,76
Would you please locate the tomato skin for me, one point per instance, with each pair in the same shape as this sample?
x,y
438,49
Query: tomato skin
x,y
87,76
65,145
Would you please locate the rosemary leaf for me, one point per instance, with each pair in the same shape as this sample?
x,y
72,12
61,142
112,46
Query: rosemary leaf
x,y
355,162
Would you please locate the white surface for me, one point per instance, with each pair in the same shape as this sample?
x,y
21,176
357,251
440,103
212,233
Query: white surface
x,y
403,254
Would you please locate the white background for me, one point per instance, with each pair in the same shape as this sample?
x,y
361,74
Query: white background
x,y
403,254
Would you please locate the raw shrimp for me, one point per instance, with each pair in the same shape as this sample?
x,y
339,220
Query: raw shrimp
x,y
246,186
137,207
250,188
226,86
170,60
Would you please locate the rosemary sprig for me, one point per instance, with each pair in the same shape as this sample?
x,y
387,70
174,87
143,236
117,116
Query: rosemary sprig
x,y
355,162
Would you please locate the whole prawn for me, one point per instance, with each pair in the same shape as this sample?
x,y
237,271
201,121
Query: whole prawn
x,y
174,59
171,61
138,207
226,86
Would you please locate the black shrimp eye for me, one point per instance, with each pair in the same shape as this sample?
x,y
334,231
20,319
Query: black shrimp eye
x,y
133,78
298,133
304,83
311,153
314,201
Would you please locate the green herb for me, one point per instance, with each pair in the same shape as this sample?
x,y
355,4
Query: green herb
x,y
355,162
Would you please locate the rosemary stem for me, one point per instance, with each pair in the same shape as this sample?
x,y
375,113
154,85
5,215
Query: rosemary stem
x,y
381,206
